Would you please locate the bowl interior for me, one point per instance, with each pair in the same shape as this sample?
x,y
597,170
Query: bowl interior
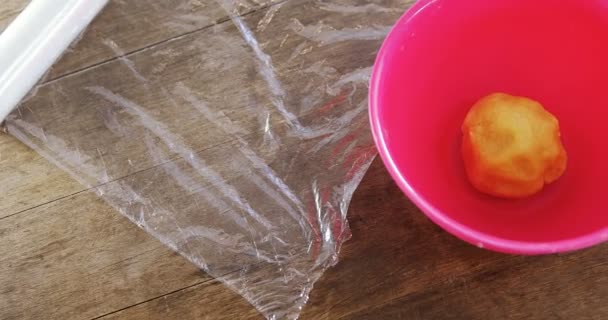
x,y
444,55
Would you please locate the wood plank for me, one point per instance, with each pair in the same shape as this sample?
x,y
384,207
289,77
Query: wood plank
x,y
26,171
127,26
27,180
91,114
69,98
401,266
398,264
153,81
208,301
79,259
9,10
572,286
214,151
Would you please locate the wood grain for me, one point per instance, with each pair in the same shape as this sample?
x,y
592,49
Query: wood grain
x,y
41,256
399,265
126,26
572,286
50,99
79,264
65,254
109,36
72,200
27,180
9,10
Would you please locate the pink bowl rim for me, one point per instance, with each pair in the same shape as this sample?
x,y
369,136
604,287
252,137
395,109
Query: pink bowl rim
x,y
477,238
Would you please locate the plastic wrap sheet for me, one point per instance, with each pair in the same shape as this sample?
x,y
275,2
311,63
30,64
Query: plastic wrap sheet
x,y
238,140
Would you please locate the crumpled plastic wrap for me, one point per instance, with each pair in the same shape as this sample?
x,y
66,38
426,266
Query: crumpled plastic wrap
x,y
238,140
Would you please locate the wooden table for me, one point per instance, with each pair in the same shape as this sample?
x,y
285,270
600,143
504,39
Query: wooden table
x,y
65,254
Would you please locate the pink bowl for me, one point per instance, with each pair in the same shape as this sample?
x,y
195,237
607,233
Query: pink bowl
x,y
441,57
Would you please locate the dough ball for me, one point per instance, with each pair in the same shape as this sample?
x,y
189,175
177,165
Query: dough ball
x,y
511,146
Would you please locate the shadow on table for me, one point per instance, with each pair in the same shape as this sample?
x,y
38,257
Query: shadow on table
x,y
399,265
